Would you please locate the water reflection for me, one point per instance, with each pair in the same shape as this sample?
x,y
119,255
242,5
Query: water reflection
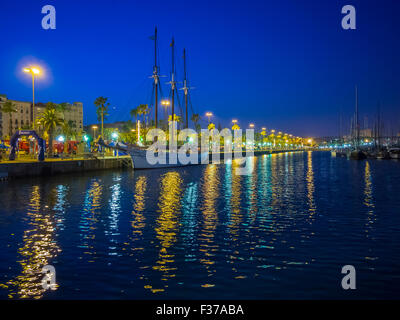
x,y
235,217
310,186
207,245
113,216
198,232
39,244
369,203
167,227
89,218
189,220
138,222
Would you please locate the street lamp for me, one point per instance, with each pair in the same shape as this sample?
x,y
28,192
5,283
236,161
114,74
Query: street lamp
x,y
94,131
251,125
234,121
209,115
33,71
166,103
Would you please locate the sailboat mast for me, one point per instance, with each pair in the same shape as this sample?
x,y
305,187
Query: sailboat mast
x,y
156,78
173,83
185,89
356,120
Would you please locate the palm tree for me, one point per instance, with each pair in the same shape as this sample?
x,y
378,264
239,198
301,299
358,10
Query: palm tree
x,y
51,106
62,107
176,118
145,110
102,111
68,128
134,113
49,120
9,107
139,110
195,118
235,127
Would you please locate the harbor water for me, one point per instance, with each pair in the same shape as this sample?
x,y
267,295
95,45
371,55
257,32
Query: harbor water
x,y
203,232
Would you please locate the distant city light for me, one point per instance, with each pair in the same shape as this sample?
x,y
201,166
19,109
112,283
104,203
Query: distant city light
x,y
114,135
60,139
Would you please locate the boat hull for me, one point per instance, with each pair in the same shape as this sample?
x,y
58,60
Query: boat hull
x,y
357,155
140,161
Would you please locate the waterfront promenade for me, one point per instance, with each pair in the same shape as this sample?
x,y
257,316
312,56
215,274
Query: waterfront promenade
x,y
31,167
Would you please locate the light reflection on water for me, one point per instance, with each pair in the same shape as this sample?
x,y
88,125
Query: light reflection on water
x,y
205,232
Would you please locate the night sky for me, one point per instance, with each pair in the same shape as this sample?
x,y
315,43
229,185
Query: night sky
x,y
287,65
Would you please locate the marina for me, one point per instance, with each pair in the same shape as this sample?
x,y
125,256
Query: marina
x,y
199,159
283,232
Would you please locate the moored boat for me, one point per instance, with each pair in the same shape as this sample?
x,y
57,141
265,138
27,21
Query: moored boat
x,y
357,155
394,153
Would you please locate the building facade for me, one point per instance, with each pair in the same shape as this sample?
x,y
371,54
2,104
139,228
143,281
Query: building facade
x,y
23,117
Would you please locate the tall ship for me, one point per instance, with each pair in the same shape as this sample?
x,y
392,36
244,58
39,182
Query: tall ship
x,y
148,158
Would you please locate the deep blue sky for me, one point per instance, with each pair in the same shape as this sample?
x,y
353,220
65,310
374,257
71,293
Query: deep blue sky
x,y
286,64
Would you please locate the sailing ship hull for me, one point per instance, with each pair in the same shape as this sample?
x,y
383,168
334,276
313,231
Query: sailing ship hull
x,y
357,155
140,161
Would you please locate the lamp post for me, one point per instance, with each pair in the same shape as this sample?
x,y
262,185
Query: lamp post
x,y
94,132
33,71
166,104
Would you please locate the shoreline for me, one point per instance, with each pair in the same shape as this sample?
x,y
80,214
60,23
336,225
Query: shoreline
x,y
50,167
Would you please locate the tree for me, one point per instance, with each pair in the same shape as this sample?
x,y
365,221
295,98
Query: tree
x,y
51,106
49,120
144,110
10,108
140,110
235,127
102,111
176,118
62,107
69,129
134,114
195,118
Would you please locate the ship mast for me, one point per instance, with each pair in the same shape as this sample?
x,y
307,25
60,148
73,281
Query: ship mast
x,y
156,78
185,89
172,82
357,123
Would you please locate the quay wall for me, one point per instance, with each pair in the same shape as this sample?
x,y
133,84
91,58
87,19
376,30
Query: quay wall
x,y
19,169
25,169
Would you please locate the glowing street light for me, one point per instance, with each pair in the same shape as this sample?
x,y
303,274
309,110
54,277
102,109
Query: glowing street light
x,y
33,71
165,103
234,121
209,115
251,125
114,135
94,131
